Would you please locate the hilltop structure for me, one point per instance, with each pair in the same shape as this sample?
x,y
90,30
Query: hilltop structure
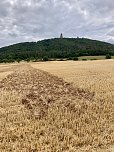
x,y
61,36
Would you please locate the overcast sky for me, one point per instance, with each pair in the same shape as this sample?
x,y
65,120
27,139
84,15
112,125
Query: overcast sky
x,y
33,20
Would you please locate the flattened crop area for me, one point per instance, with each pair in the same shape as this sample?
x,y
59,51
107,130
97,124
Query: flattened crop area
x,y
40,112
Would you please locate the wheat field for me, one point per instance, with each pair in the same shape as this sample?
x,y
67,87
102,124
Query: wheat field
x,y
57,107
93,75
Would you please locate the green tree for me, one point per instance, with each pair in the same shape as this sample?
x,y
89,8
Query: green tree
x,y
45,58
18,60
108,56
28,60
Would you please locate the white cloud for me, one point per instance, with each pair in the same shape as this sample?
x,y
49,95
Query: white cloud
x,y
31,20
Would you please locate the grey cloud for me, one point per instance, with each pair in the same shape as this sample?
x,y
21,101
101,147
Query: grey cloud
x,y
4,8
32,20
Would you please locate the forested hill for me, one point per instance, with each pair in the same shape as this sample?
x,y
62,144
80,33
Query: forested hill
x,y
56,48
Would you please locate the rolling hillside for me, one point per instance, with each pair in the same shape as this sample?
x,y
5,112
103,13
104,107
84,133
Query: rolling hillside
x,y
56,48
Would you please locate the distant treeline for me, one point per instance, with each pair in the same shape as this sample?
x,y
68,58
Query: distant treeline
x,y
55,48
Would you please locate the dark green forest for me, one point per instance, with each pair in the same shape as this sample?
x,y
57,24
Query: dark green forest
x,y
55,48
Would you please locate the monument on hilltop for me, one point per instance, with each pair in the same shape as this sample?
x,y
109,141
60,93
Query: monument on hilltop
x,y
61,36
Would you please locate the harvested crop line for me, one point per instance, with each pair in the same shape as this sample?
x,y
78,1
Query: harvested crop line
x,y
40,89
46,113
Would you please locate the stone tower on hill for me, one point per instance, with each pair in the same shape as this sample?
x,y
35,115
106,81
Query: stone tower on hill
x,y
61,36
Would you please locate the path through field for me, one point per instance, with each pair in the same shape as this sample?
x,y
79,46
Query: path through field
x,y
40,112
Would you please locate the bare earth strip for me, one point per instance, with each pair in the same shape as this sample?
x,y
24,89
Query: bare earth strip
x,y
41,112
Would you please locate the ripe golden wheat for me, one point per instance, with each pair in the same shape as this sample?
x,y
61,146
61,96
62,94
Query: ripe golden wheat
x,y
40,112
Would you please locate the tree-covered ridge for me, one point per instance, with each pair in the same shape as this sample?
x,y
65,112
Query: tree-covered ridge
x,y
56,48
